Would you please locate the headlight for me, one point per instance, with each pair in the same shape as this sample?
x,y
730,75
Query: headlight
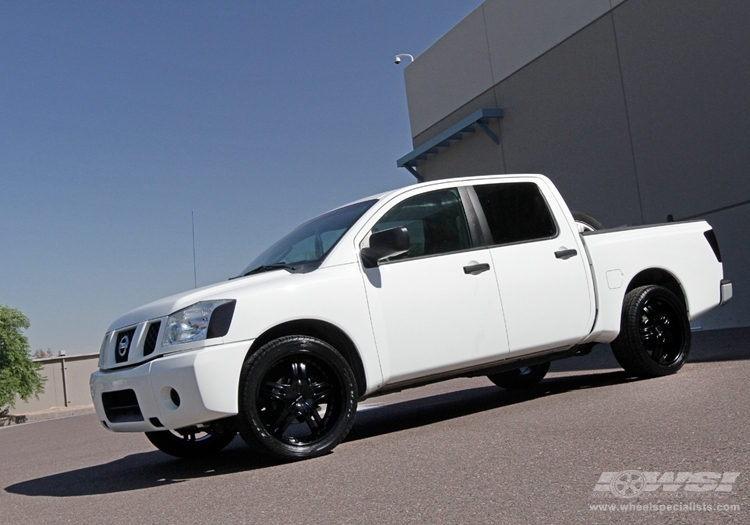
x,y
203,320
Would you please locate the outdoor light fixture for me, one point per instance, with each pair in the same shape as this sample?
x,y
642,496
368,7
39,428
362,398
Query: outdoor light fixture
x,y
398,57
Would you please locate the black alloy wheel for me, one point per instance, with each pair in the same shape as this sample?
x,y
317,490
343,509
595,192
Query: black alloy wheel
x,y
654,337
297,398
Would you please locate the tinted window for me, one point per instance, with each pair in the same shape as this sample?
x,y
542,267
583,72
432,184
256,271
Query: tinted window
x,y
515,212
435,220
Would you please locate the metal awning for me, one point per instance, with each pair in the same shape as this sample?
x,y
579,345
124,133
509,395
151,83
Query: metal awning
x,y
455,133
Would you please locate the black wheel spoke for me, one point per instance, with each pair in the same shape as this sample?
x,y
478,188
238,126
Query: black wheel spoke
x,y
278,391
648,331
302,374
658,352
321,391
647,335
295,373
313,419
285,419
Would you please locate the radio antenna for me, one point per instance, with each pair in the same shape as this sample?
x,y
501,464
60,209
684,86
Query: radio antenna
x,y
195,272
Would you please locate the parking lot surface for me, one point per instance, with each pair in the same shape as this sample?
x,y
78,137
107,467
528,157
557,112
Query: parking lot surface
x,y
587,445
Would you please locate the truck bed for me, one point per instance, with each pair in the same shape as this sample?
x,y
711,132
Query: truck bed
x,y
678,253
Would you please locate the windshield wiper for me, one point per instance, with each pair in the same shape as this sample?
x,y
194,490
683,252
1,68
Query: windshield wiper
x,y
268,268
299,267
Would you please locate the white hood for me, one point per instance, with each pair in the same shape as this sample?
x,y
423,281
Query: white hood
x,y
173,303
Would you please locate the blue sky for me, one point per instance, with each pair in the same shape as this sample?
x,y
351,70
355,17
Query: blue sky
x,y
119,119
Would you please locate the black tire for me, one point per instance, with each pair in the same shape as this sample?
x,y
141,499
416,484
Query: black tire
x,y
523,377
298,398
654,337
585,222
190,443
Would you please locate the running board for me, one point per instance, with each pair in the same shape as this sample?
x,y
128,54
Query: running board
x,y
481,370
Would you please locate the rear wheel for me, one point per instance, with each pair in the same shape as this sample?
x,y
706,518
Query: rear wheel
x,y
654,337
523,377
190,443
298,398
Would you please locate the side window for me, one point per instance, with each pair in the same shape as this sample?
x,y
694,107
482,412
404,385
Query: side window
x,y
516,212
436,223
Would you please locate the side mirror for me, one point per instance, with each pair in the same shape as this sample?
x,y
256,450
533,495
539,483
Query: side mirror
x,y
386,243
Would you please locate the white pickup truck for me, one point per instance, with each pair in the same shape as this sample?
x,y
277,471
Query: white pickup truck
x,y
463,277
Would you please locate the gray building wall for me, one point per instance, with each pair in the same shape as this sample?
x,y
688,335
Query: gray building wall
x,y
636,109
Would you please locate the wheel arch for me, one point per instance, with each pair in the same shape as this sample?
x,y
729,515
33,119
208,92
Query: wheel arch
x,y
324,331
660,277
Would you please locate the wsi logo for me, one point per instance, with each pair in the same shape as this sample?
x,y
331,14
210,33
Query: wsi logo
x,y
631,483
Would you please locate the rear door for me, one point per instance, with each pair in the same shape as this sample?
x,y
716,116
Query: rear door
x,y
545,289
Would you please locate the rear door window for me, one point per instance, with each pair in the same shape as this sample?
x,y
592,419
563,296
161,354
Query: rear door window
x,y
515,212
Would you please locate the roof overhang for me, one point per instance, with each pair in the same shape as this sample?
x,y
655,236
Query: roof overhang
x,y
478,119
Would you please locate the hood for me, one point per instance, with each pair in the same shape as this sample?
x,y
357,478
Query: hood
x,y
173,303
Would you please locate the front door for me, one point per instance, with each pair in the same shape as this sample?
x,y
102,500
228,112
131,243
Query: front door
x,y
435,308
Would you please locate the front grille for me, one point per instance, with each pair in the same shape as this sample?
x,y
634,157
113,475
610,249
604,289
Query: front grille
x,y
121,406
153,332
122,345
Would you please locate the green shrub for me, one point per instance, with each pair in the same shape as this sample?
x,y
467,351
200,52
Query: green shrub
x,y
19,375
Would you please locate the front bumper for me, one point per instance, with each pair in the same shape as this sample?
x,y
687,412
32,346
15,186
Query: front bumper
x,y
172,391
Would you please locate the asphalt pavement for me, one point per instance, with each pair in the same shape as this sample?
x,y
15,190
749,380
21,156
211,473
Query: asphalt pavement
x,y
588,445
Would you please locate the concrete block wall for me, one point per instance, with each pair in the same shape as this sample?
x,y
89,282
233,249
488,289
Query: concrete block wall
x,y
59,391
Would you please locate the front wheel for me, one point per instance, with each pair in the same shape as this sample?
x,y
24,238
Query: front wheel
x,y
298,398
654,337
190,443
523,377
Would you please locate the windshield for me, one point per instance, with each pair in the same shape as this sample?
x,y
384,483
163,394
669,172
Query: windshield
x,y
306,246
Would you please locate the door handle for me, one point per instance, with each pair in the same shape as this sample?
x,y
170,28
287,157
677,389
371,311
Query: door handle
x,y
476,268
565,254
